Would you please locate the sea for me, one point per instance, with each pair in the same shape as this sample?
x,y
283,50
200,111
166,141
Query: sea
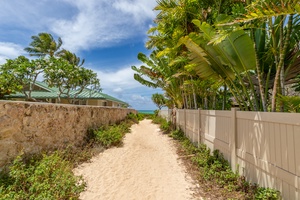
x,y
146,111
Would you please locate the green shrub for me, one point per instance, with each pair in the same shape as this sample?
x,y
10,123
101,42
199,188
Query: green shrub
x,y
131,117
111,136
267,193
49,177
163,123
177,135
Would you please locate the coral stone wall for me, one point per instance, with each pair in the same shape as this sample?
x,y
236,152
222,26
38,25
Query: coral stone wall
x,y
33,127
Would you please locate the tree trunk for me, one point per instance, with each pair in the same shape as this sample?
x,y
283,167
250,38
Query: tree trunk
x,y
224,97
281,59
259,76
194,94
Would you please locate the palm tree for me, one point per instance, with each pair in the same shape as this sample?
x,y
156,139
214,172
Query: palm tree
x,y
43,44
71,57
159,100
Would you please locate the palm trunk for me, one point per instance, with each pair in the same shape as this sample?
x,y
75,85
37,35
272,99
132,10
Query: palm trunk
x,y
281,60
259,75
214,102
224,97
194,94
205,103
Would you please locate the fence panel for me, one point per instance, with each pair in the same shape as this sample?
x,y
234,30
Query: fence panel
x,y
267,150
215,130
264,147
192,124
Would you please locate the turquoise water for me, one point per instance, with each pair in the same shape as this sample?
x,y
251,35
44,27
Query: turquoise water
x,y
146,111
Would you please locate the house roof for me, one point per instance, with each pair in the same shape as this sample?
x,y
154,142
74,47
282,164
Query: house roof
x,y
52,93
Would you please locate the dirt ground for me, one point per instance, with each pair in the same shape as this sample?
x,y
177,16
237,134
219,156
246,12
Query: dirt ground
x,y
146,167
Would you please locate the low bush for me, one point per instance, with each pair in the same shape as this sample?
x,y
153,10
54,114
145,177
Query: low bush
x,y
111,136
163,123
40,177
134,118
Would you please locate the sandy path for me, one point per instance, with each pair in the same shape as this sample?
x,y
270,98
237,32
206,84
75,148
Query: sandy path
x,y
146,167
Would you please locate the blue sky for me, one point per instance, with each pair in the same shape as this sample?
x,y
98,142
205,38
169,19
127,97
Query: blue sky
x,y
107,34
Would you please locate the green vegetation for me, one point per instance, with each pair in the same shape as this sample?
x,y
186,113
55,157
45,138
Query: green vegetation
x,y
211,54
159,100
214,171
163,123
112,135
60,68
41,177
49,175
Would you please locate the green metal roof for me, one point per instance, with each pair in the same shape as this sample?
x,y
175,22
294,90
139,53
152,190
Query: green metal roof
x,y
52,93
36,95
46,87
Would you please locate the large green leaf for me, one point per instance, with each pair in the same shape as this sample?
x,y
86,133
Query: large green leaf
x,y
199,62
239,49
145,82
236,50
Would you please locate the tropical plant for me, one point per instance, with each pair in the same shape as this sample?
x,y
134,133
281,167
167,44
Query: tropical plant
x,y
70,79
71,57
229,61
43,44
23,73
157,74
250,48
159,100
8,84
274,27
180,77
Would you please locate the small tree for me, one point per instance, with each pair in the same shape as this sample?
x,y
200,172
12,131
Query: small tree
x,y
159,100
8,85
68,78
22,72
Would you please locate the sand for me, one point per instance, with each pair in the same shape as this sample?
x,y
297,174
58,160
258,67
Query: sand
x,y
146,167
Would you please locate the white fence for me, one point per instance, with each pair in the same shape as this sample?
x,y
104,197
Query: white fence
x,y
165,114
263,147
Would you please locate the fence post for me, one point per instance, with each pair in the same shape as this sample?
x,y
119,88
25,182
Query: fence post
x,y
199,127
232,139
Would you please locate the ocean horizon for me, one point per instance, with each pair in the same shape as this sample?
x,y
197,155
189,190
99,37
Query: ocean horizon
x,y
146,111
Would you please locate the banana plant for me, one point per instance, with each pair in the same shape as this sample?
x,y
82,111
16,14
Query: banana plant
x,y
230,60
275,25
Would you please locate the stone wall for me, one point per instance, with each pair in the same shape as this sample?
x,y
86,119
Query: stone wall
x,y
34,127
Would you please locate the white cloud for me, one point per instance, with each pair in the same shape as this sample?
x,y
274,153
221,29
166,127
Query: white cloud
x,y
81,24
119,80
138,97
9,51
121,84
140,10
33,15
103,23
118,90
